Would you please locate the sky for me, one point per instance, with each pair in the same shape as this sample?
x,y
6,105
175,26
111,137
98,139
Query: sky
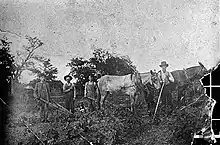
x,y
182,32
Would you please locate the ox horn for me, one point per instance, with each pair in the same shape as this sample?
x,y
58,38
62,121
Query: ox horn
x,y
201,64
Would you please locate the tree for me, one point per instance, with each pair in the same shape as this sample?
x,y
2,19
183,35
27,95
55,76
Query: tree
x,y
102,62
81,69
6,61
47,70
25,58
111,64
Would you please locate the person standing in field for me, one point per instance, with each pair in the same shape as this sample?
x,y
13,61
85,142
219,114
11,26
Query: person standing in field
x,y
69,93
167,79
42,90
90,93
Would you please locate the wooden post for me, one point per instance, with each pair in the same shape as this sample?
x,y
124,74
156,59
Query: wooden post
x,y
158,101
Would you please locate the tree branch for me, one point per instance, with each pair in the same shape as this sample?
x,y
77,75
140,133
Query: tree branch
x,y
34,44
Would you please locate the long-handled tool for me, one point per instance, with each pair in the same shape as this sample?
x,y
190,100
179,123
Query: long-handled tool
x,y
62,109
158,101
85,139
38,138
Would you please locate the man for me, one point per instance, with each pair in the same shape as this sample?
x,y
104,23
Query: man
x,y
70,93
90,92
167,79
42,91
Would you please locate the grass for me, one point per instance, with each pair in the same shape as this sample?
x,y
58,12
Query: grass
x,y
115,125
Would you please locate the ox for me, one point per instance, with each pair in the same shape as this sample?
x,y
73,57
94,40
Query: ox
x,y
130,85
190,74
186,78
151,83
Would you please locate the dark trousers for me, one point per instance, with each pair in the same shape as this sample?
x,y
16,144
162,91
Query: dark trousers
x,y
69,103
166,96
92,104
43,111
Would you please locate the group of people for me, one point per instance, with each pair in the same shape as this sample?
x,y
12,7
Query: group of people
x,y
90,93
42,90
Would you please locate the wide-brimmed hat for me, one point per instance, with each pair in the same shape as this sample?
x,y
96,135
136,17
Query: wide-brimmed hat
x,y
67,77
164,63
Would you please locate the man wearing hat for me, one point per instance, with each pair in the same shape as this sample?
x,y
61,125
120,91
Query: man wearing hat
x,y
167,79
69,93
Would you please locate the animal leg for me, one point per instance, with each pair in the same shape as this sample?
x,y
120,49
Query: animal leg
x,y
132,102
103,98
98,104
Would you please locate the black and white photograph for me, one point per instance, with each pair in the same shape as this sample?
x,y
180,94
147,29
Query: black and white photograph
x,y
110,72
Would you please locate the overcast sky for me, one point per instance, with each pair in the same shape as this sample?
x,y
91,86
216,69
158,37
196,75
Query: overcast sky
x,y
182,32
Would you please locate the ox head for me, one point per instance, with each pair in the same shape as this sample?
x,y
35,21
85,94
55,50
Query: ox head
x,y
136,77
155,79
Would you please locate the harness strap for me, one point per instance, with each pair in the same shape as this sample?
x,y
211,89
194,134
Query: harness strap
x,y
185,73
131,76
128,86
197,74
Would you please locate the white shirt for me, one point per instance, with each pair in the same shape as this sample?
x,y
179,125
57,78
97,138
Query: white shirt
x,y
166,77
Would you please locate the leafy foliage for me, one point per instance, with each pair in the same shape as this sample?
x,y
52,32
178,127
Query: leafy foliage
x,y
107,63
189,121
26,57
47,70
117,125
102,62
184,128
81,69
6,61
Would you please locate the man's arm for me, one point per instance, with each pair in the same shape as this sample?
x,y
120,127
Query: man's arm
x,y
171,78
64,89
159,77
